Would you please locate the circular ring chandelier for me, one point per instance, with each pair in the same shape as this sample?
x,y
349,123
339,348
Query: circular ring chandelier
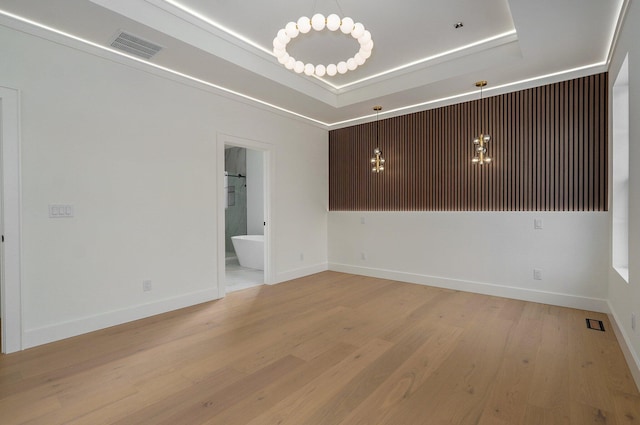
x,y
318,23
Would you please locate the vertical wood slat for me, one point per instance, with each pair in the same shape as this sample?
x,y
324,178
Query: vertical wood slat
x,y
548,144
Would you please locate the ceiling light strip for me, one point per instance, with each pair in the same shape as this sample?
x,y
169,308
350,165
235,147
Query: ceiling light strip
x,y
513,33
214,24
262,102
462,95
207,20
153,65
510,35
505,35
617,27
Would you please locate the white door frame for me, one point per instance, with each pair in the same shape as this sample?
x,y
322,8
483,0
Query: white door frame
x,y
10,284
269,169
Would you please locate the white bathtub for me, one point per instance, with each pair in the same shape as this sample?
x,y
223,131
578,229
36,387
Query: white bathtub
x,y
250,250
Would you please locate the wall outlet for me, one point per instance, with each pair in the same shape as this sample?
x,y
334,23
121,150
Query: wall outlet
x,y
363,256
146,286
537,223
633,321
362,220
302,256
537,274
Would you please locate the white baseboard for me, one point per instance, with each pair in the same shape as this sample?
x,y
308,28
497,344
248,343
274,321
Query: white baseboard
x,y
301,272
562,300
625,344
46,334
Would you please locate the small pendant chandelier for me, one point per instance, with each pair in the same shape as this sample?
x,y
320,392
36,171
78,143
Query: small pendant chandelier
x,y
480,142
377,160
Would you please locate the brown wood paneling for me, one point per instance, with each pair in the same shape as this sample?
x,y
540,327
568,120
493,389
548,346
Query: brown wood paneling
x,y
548,144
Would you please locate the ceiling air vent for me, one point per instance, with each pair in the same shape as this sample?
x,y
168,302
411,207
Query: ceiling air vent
x,y
135,45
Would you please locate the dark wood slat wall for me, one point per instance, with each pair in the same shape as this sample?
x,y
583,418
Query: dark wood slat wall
x,y
548,144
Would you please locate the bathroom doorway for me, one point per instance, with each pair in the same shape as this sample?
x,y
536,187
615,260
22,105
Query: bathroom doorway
x,y
243,224
244,218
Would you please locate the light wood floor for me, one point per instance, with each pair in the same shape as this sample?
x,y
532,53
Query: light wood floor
x,y
331,349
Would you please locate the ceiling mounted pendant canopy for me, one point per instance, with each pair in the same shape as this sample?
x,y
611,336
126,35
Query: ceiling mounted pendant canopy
x,y
319,22
480,142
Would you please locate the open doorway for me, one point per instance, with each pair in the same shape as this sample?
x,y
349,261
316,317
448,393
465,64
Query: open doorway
x,y
244,218
244,211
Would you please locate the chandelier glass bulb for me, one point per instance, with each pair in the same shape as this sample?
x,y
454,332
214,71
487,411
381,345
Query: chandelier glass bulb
x,y
304,25
333,22
347,25
480,144
377,161
319,22
292,30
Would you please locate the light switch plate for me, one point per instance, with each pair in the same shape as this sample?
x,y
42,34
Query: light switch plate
x,y
61,211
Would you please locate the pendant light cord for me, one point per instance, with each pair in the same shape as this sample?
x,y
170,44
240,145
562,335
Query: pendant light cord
x,y
377,129
482,113
340,9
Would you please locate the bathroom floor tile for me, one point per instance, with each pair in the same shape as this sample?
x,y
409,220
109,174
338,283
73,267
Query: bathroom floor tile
x,y
238,277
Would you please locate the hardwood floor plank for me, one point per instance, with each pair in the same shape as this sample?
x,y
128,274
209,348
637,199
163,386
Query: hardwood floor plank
x,y
364,384
203,406
331,349
583,414
17,410
535,415
550,386
457,391
264,400
270,346
627,408
587,380
207,398
407,377
152,398
297,408
507,401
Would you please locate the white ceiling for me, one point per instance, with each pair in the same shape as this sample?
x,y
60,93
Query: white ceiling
x,y
419,59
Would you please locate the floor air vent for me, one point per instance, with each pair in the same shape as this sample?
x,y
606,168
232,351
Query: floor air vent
x,y
135,45
596,325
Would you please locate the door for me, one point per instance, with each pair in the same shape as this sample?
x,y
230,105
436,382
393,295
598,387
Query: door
x,y
10,300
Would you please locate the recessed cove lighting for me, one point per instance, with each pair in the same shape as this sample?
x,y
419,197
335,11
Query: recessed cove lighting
x,y
211,22
279,49
155,66
504,37
446,99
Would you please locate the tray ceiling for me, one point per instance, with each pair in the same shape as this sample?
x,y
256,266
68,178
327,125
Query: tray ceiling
x,y
419,60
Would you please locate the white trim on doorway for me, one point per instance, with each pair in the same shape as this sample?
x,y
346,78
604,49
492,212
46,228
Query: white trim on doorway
x,y
10,283
269,168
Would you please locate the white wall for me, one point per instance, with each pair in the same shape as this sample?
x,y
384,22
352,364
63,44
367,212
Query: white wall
x,y
484,252
255,192
624,298
135,153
